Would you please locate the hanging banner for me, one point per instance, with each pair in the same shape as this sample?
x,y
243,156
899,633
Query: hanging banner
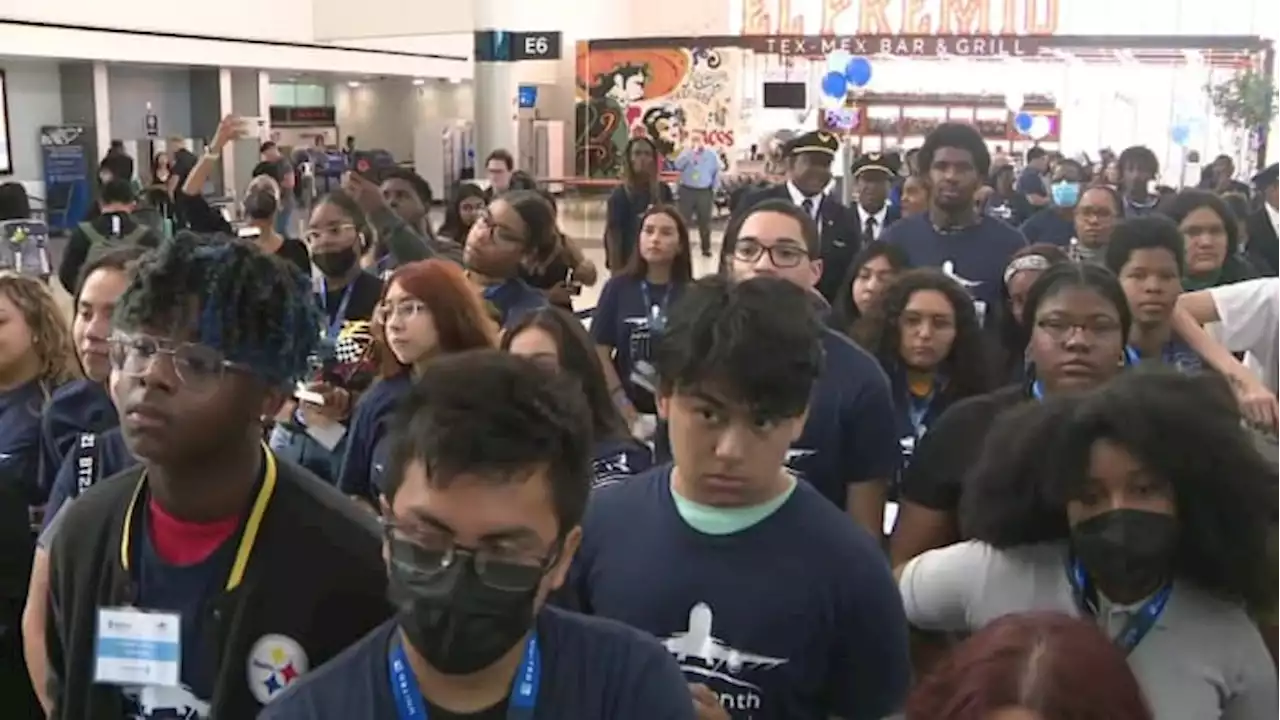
x,y
66,154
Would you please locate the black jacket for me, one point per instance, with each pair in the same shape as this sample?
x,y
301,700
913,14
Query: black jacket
x,y
315,575
840,235
1263,246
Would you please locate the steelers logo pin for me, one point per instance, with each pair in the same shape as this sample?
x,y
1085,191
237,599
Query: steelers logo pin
x,y
275,663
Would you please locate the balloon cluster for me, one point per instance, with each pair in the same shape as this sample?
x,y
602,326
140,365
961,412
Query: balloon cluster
x,y
1033,125
844,72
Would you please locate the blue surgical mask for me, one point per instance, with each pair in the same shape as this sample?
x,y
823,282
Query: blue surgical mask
x,y
1065,194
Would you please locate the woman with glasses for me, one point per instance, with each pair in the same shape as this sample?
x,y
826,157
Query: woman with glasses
x,y
517,230
1095,217
428,311
632,310
1079,322
555,338
1142,507
311,430
36,358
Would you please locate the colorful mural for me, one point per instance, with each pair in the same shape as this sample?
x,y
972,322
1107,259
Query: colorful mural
x,y
657,92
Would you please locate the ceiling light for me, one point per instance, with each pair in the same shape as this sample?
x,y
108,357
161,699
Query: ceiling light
x,y
419,81
455,80
353,84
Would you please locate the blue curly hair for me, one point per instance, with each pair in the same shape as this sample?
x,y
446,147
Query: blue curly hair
x,y
256,309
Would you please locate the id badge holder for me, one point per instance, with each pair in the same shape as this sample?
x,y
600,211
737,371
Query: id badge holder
x,y
137,647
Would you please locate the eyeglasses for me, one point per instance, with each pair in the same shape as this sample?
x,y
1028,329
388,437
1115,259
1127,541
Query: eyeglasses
x,y
198,367
314,234
403,310
498,231
1060,329
782,255
428,553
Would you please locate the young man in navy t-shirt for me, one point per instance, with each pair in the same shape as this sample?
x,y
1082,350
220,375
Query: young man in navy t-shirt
x,y
478,528
775,604
973,248
849,447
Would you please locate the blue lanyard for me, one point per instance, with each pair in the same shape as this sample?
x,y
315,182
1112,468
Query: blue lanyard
x,y
335,325
1037,390
524,690
917,409
655,312
1138,625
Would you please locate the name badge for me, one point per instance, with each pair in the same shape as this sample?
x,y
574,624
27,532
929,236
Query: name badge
x,y
136,647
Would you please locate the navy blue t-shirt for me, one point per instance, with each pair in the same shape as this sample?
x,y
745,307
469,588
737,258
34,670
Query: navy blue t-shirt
x,y
1047,226
591,668
80,406
1175,354
625,319
364,463
796,617
975,256
92,457
512,299
850,435
1031,182
19,459
183,590
20,422
616,460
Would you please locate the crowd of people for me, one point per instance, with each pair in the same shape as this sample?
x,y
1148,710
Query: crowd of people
x,y
973,446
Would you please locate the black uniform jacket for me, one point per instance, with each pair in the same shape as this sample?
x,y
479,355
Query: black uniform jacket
x,y
312,571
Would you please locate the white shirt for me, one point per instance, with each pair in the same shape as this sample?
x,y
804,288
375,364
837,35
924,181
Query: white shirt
x,y
1203,659
878,216
1249,322
798,198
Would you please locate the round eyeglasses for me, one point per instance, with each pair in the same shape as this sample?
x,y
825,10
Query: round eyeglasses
x,y
196,366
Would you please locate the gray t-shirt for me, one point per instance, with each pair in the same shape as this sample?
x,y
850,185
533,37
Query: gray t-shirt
x,y
1203,659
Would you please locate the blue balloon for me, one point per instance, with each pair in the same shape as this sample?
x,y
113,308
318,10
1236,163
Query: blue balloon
x,y
834,85
1022,122
1181,134
858,72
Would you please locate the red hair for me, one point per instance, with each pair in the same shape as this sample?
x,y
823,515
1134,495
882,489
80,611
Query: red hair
x,y
461,321
1056,666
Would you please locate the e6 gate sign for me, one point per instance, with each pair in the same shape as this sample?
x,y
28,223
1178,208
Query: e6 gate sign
x,y
506,46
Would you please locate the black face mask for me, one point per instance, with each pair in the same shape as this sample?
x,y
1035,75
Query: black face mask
x,y
1126,551
336,263
458,623
260,204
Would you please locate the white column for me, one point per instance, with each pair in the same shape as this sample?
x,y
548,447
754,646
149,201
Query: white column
x,y
101,110
264,102
225,108
494,86
494,89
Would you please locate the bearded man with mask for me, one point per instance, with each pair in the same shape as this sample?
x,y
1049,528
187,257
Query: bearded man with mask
x,y
479,528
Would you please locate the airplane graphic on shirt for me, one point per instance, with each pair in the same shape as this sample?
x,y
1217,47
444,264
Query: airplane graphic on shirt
x,y
718,660
949,269
797,453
